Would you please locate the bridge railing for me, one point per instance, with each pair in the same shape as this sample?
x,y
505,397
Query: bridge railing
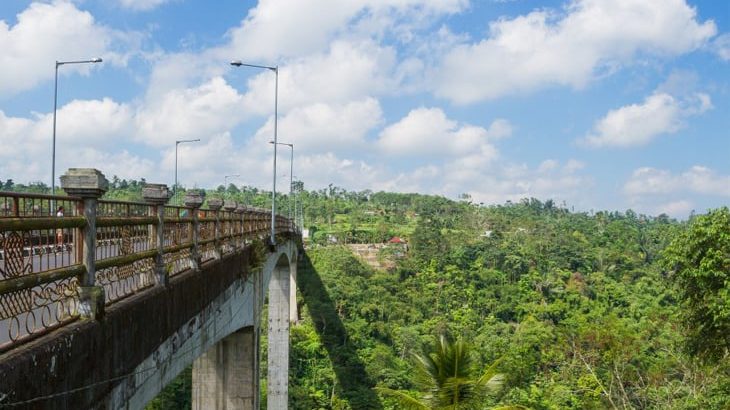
x,y
54,269
39,266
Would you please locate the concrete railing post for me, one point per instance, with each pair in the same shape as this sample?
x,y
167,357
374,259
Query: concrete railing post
x,y
215,205
158,195
240,211
194,199
229,206
89,184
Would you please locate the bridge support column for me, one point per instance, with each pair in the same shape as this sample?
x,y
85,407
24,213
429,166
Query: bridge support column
x,y
293,312
226,376
278,366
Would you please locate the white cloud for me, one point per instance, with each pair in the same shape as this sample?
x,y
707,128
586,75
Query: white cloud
x,y
87,122
428,132
591,38
94,122
319,170
327,52
120,163
141,5
206,162
679,208
345,72
19,135
497,183
548,181
48,32
211,107
548,165
176,71
697,180
573,165
638,124
656,191
327,127
721,46
90,134
499,128
277,29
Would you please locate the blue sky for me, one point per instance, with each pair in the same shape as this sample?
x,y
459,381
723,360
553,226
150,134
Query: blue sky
x,y
602,104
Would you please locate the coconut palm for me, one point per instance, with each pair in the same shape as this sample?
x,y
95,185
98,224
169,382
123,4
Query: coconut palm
x,y
447,380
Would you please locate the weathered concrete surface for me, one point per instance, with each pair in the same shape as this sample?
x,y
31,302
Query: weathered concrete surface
x,y
142,343
277,396
293,311
222,377
226,376
84,182
230,311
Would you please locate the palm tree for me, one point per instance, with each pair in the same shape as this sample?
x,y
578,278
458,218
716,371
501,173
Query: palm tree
x,y
445,376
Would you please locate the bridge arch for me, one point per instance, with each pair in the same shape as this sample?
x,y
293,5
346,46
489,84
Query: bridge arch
x,y
214,338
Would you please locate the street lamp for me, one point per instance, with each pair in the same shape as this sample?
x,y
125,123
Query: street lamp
x,y
291,171
178,142
296,189
225,179
275,69
55,105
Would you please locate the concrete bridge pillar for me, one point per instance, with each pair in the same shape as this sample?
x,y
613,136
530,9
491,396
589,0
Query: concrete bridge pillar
x,y
279,316
293,312
226,376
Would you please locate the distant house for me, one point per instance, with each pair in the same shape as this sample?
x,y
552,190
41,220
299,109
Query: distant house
x,y
398,243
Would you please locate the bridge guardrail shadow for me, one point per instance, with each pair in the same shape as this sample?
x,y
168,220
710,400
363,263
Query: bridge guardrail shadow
x,y
355,384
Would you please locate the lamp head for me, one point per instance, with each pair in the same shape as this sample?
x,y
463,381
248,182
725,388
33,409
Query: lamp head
x,y
96,60
237,63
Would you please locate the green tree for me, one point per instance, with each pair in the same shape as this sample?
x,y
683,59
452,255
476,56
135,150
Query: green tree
x,y
446,378
700,259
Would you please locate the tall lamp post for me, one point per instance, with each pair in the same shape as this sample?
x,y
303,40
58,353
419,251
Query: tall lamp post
x,y
178,142
55,106
275,69
225,180
291,171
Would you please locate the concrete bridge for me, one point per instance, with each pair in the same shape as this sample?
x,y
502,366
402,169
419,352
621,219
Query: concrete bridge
x,y
105,306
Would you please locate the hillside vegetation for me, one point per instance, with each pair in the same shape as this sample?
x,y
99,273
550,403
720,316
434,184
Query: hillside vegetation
x,y
581,311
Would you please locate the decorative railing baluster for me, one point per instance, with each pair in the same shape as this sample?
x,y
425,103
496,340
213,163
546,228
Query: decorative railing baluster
x,y
215,205
158,195
229,207
194,199
240,234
